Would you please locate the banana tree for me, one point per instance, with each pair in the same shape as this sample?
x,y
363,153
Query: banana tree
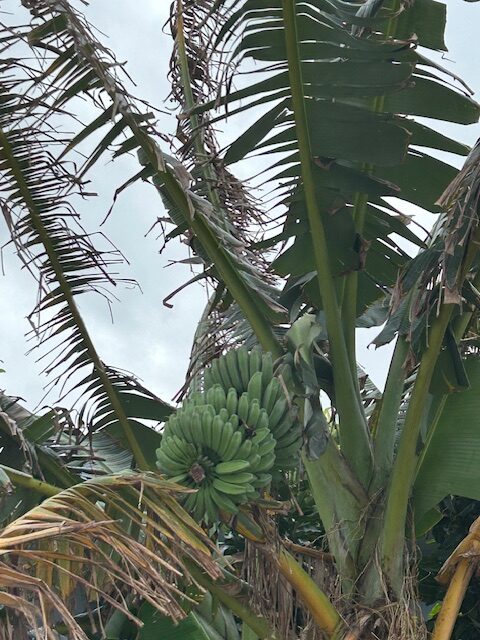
x,y
286,451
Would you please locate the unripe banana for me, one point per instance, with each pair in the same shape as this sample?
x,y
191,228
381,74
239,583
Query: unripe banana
x,y
278,411
267,368
226,435
243,365
233,446
220,398
215,431
233,370
229,488
262,480
261,435
245,449
255,362
290,437
210,395
253,414
223,502
255,387
234,466
263,421
243,407
224,414
211,509
286,424
232,401
272,392
226,381
243,478
207,429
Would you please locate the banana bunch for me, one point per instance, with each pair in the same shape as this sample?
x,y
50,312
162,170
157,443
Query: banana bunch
x,y
207,447
250,374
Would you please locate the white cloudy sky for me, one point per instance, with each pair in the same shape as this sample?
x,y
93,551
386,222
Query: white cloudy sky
x,y
145,336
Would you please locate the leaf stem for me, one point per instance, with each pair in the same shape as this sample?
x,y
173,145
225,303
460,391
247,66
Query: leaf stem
x,y
24,480
355,439
260,325
388,416
403,474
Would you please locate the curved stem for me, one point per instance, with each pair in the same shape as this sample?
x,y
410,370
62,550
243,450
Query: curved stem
x,y
315,600
453,600
317,603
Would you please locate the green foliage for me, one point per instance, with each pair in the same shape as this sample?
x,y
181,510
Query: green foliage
x,y
340,85
450,464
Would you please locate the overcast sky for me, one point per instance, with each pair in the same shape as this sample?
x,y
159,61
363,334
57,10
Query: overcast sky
x,y
146,337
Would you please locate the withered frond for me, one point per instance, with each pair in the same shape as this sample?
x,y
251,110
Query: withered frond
x,y
96,543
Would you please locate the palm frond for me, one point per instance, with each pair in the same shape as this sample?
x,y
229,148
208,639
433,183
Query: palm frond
x,y
38,190
95,543
362,80
58,27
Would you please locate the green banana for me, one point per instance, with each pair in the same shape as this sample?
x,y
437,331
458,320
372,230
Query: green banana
x,y
262,480
243,358
232,401
253,414
180,479
220,398
261,435
278,411
207,432
215,432
229,488
290,437
272,392
243,407
284,426
223,502
210,395
289,454
239,478
199,509
255,386
267,368
255,362
210,507
233,370
226,382
233,446
226,435
263,421
266,447
231,467
266,463
245,449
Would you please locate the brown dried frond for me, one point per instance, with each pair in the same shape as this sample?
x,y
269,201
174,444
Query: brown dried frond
x,y
107,537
